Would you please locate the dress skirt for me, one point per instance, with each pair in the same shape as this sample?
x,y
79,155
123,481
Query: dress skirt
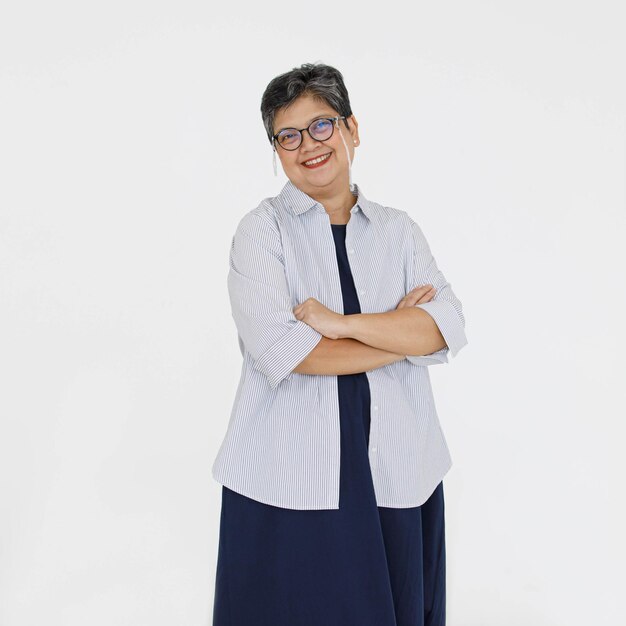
x,y
359,565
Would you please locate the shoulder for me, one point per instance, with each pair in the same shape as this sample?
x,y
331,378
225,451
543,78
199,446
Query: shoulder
x,y
262,221
401,226
263,217
391,220
258,229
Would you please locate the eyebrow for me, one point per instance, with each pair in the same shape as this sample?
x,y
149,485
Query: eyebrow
x,y
309,122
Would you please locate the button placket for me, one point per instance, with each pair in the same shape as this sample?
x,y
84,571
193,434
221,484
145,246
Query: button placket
x,y
352,252
330,259
375,412
378,401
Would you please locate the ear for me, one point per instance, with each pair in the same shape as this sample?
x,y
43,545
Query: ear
x,y
354,129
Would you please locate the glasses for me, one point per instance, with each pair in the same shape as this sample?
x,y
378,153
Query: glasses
x,y
320,129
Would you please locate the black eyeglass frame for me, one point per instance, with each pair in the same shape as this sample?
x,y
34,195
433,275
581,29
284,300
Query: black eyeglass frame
x,y
301,130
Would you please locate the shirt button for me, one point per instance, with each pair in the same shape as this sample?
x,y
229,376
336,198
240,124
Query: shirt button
x,y
362,292
375,407
351,251
373,449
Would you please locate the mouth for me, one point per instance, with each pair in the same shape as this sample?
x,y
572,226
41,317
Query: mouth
x,y
316,162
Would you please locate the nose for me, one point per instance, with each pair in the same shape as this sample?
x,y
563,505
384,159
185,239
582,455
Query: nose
x,y
308,143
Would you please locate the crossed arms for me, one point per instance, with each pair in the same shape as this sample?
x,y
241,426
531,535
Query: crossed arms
x,y
312,339
366,341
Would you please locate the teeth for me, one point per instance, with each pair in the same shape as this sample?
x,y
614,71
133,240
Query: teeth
x,y
319,160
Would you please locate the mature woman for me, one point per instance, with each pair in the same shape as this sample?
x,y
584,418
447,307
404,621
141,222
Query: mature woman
x,y
333,460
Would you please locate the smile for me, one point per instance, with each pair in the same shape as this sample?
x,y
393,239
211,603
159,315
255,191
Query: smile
x,y
316,162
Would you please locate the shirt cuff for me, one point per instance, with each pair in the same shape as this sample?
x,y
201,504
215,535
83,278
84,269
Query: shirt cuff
x,y
280,359
448,322
435,358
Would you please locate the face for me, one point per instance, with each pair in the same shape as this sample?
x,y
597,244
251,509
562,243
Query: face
x,y
332,175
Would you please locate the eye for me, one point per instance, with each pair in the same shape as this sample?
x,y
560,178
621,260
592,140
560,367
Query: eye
x,y
286,135
321,125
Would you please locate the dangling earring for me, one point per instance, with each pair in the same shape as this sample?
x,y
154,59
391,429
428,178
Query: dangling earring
x,y
350,185
274,161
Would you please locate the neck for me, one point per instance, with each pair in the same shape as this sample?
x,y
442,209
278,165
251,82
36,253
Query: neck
x,y
337,204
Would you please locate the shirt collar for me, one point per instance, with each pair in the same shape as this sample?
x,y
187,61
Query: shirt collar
x,y
299,202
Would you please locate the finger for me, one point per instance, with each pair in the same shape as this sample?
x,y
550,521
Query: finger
x,y
418,292
418,295
428,296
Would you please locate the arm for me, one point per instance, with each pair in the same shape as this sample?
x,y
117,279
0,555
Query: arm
x,y
261,303
344,356
445,308
425,332
409,330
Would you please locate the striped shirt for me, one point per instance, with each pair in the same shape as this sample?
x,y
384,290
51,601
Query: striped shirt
x,y
282,443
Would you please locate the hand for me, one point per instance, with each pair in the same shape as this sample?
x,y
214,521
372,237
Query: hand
x,y
418,295
321,318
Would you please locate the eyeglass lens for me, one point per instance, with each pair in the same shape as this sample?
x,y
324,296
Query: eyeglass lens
x,y
290,138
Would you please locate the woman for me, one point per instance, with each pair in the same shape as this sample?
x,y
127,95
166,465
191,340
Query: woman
x,y
332,464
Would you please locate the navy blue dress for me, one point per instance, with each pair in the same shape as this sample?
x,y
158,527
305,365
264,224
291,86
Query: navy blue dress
x,y
359,565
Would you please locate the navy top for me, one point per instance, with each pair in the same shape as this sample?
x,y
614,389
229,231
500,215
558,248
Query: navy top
x,y
353,389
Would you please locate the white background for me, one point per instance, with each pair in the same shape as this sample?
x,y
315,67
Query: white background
x,y
131,144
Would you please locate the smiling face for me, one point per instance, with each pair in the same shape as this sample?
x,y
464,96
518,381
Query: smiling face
x,y
329,177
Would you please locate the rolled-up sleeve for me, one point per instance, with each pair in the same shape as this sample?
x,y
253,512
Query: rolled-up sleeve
x,y
261,303
445,308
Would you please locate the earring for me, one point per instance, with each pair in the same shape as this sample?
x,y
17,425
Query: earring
x,y
355,141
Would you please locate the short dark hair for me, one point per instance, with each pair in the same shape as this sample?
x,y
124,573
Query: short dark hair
x,y
316,79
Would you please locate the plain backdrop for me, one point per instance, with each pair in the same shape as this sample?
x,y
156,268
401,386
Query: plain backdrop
x,y
131,144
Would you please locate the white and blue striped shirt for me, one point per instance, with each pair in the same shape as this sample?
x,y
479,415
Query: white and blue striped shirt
x,y
282,444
